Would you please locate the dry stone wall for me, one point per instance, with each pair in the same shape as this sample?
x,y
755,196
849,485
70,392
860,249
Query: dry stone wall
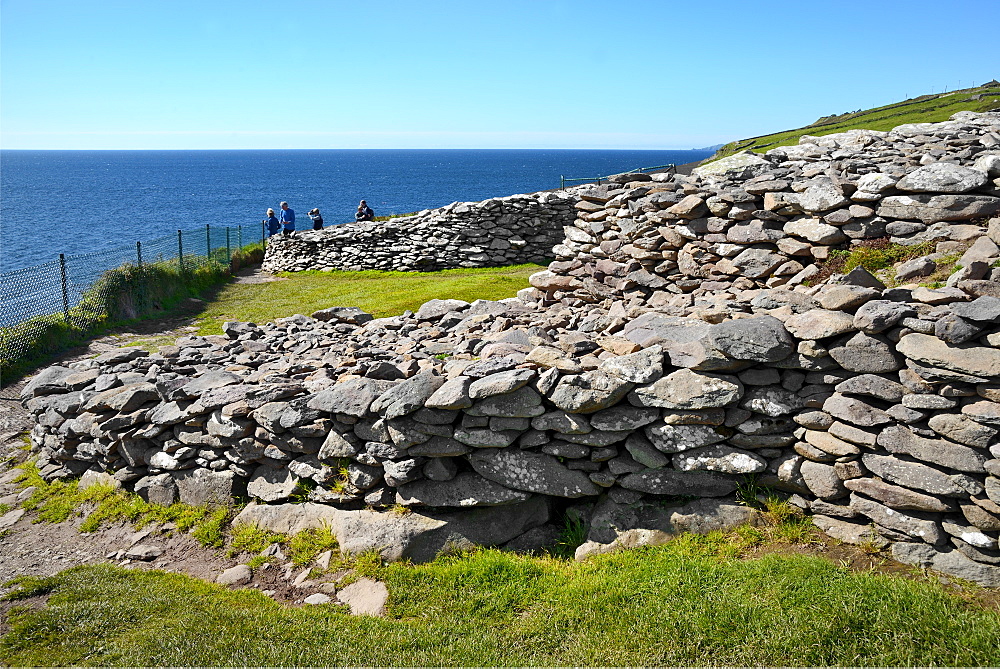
x,y
501,231
640,367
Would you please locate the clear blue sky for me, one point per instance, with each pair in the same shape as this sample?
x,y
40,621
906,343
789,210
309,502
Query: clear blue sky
x,y
219,74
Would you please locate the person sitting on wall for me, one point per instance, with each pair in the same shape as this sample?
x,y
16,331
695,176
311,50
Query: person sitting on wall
x,y
272,223
364,213
317,219
287,218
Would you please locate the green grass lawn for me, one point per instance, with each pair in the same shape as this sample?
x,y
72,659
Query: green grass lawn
x,y
379,293
680,604
924,109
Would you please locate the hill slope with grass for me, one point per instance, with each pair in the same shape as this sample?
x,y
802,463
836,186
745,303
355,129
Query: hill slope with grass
x,y
922,109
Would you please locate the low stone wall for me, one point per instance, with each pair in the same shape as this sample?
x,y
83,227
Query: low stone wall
x,y
502,231
616,384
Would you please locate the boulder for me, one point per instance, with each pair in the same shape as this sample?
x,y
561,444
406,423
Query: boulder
x,y
418,536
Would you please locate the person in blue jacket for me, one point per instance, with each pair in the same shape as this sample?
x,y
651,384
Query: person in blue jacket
x,y
272,222
287,218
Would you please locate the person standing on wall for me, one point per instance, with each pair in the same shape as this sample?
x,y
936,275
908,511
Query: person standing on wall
x,y
272,223
317,219
364,212
287,218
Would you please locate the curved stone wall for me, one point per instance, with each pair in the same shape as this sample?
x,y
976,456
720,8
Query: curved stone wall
x,y
636,370
502,231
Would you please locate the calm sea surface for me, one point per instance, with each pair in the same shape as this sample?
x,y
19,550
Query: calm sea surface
x,y
70,202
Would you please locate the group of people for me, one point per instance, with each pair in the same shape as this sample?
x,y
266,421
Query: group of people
x,y
284,221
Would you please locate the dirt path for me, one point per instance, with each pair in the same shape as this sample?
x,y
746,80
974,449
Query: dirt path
x,y
44,549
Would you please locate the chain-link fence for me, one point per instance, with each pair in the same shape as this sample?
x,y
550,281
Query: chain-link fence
x,y
44,306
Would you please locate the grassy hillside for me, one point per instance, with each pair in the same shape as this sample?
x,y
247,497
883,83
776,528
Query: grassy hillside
x,y
923,109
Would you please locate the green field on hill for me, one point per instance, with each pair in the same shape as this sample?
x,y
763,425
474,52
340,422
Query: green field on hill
x,y
923,109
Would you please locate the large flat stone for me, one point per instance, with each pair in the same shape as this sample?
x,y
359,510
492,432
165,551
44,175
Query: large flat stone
x,y
966,359
532,472
418,536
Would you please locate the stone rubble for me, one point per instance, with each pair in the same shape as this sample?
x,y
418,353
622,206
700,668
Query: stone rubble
x,y
673,348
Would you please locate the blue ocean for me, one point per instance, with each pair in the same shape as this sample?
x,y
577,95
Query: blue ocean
x,y
71,202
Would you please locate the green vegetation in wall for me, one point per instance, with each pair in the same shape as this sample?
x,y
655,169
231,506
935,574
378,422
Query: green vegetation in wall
x,y
923,109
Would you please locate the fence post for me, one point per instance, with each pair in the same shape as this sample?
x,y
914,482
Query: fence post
x,y
208,241
263,229
229,252
141,288
239,236
180,250
562,181
65,286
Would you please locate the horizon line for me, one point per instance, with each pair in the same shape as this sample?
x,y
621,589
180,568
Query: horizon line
x,y
411,148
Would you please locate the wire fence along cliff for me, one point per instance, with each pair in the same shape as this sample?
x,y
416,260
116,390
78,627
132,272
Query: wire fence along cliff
x,y
78,292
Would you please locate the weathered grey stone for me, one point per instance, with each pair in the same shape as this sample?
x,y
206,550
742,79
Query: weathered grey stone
x,y
500,383
962,429
531,472
933,208
677,438
815,230
828,443
897,497
819,324
408,396
719,458
898,439
973,360
271,485
771,401
352,315
203,486
241,574
453,394
866,354
822,480
873,386
525,402
951,562
687,389
853,410
643,451
845,297
913,475
365,597
464,490
918,528
644,366
435,309
982,309
671,482
623,417
880,315
942,178
589,392
352,397
739,166
562,422
759,339
987,413
159,489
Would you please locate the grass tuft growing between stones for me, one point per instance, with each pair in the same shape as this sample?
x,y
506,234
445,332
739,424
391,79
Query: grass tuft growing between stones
x,y
102,504
679,604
